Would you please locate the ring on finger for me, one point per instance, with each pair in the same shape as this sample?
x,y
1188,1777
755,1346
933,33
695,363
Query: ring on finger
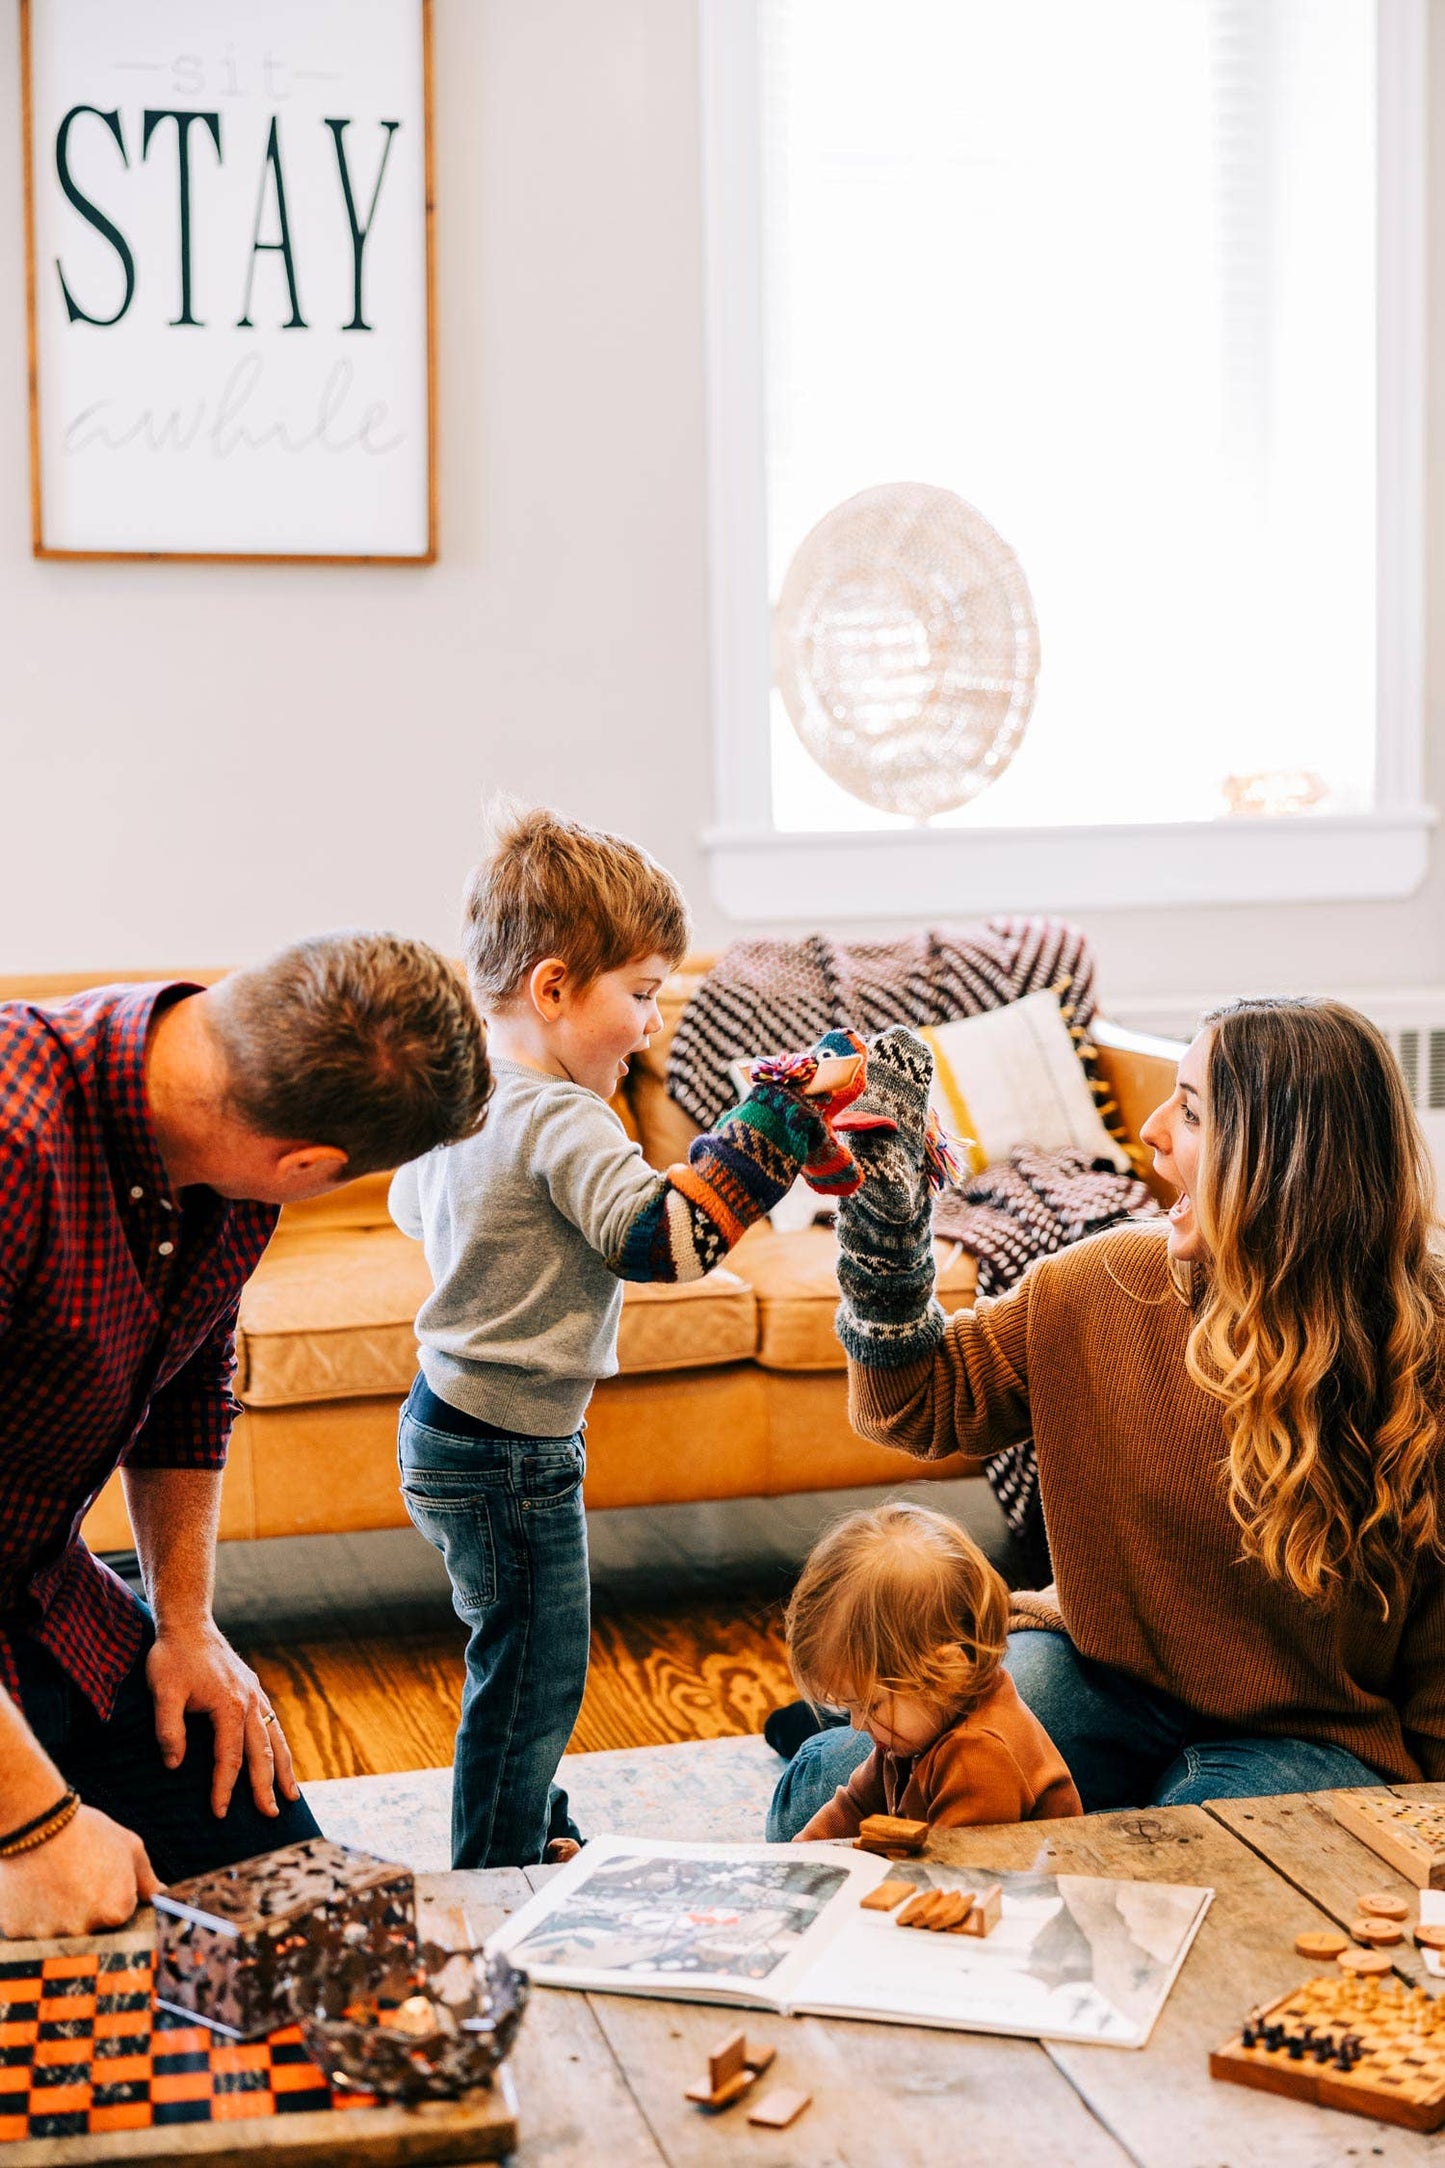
x,y
269,1716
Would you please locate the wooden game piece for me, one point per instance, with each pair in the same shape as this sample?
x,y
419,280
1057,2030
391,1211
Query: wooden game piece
x,y
952,1909
1377,1934
930,1906
779,2109
917,1909
1364,1961
726,2060
1430,1934
1321,1945
1367,2047
724,2096
733,2068
984,1913
1383,1904
891,1835
1408,1834
886,1896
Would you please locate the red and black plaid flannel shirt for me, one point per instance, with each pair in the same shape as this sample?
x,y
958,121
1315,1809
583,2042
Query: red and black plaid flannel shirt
x,y
117,1317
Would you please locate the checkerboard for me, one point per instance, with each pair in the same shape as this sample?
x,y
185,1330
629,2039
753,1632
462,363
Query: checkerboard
x,y
82,2051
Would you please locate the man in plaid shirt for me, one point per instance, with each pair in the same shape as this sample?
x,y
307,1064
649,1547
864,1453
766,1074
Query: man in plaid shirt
x,y
148,1137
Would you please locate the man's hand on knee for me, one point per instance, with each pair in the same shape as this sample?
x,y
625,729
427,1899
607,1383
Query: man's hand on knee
x,y
198,1673
92,1876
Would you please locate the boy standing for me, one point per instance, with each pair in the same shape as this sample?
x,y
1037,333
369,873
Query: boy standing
x,y
530,1228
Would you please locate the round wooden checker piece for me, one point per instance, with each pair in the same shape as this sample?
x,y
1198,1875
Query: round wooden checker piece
x,y
1378,1934
1381,1904
1364,1961
1430,1935
1321,1945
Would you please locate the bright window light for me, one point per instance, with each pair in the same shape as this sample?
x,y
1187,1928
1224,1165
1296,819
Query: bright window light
x,y
1108,272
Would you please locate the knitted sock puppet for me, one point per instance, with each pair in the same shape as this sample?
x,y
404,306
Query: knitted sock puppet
x,y
889,1315
737,1171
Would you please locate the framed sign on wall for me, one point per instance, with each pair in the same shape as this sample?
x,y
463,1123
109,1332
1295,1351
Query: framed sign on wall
x,y
230,280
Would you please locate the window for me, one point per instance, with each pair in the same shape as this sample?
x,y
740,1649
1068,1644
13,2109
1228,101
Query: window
x,y
1140,281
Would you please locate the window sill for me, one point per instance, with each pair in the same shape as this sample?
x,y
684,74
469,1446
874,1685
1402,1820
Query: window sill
x,y
763,874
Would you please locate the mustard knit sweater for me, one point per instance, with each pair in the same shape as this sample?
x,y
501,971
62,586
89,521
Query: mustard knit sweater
x,y
1086,1355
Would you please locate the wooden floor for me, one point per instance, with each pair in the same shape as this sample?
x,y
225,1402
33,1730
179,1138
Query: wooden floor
x,y
662,1669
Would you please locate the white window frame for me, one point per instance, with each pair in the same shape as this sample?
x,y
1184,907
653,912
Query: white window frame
x,y
759,871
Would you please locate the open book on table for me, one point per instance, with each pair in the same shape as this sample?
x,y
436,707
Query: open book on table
x,y
781,1927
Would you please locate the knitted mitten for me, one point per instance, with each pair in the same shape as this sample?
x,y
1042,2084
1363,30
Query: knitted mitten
x,y
888,1315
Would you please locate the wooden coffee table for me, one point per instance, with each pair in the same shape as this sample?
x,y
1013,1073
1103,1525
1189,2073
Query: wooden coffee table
x,y
600,2078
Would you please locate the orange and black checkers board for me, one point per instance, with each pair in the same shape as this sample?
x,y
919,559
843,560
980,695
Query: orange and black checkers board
x,y
82,2051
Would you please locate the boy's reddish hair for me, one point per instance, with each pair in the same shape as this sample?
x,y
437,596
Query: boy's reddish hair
x,y
550,887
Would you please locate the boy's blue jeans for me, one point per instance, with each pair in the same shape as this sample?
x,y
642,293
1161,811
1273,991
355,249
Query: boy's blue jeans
x,y
1126,1745
506,1515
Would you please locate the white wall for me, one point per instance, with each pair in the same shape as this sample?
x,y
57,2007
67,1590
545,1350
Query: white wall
x,y
199,762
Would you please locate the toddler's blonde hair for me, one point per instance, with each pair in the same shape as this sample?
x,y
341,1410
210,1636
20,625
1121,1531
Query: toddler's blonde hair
x,y
897,1600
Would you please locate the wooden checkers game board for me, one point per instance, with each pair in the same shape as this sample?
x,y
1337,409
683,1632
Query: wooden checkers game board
x,y
85,2059
1372,2047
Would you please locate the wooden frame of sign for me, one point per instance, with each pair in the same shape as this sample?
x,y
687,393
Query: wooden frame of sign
x,y
158,156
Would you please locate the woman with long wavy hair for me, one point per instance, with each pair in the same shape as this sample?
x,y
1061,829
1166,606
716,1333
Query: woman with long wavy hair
x,y
1238,1414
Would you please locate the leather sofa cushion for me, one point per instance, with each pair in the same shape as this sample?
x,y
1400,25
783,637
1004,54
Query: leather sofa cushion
x,y
328,1316
795,1279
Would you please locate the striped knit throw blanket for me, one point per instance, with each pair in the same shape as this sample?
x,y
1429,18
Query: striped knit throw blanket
x,y
766,995
1028,1206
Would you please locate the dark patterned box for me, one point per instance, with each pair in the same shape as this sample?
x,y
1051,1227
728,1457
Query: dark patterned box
x,y
231,1944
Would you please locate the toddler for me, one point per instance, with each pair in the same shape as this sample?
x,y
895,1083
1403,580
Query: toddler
x,y
900,1619
530,1228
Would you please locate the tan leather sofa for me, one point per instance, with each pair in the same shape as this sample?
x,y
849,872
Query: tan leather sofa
x,y
731,1387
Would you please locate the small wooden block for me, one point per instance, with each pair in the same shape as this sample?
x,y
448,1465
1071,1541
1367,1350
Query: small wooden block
x,y
932,1908
1321,1945
916,1913
879,1831
1377,1934
951,1912
759,2056
1364,1961
885,1897
722,2096
1430,1935
779,2109
726,2060
984,1913
1382,1904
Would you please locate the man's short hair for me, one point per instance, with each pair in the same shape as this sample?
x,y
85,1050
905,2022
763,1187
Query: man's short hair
x,y
363,1041
550,887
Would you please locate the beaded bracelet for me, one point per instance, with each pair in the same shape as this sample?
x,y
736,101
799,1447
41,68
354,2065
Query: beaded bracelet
x,y
31,1835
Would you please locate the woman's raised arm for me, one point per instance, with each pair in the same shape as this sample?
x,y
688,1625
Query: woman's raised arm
x,y
968,1394
915,1380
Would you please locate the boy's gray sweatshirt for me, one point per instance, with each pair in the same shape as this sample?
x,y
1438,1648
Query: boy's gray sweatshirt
x,y
518,1223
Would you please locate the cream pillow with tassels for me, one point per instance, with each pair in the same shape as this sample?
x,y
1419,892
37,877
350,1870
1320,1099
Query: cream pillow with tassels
x,y
1012,1076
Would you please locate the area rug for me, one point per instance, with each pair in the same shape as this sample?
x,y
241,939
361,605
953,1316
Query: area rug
x,y
711,1789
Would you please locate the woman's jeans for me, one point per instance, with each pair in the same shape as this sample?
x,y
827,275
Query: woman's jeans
x,y
1126,1745
506,1515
